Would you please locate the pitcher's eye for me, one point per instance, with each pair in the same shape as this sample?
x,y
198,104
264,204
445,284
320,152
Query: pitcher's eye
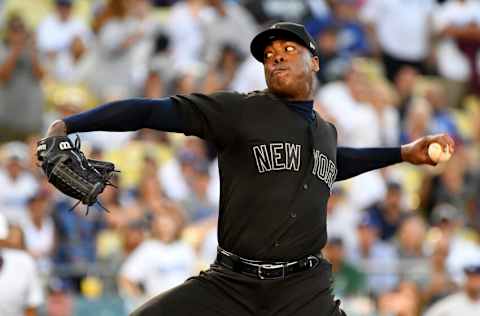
x,y
268,55
289,49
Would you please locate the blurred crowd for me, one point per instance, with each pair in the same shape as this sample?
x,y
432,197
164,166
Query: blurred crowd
x,y
402,241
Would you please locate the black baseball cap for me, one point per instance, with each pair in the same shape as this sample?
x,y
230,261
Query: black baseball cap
x,y
282,30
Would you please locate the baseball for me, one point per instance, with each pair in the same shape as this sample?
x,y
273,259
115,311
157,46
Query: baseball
x,y
439,154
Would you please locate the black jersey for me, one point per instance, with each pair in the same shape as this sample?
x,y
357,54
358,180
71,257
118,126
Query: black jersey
x,y
276,172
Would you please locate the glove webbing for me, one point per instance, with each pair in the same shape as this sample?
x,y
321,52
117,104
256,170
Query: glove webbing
x,y
78,184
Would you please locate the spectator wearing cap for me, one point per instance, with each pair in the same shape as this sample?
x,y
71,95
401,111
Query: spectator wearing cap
x,y
39,230
466,302
56,32
20,71
20,288
389,213
377,259
332,62
16,182
462,250
348,279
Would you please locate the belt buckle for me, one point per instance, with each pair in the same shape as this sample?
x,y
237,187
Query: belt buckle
x,y
270,267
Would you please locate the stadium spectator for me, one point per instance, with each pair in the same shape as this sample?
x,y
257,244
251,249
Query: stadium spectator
x,y
221,74
443,119
73,65
404,83
402,31
176,174
138,49
462,250
197,204
269,11
460,22
16,182
38,229
221,24
417,120
440,283
341,219
20,289
142,14
466,302
20,71
404,300
382,99
348,280
374,256
249,77
389,213
56,33
117,39
411,250
76,240
332,62
348,103
350,33
159,263
184,28
453,186
452,64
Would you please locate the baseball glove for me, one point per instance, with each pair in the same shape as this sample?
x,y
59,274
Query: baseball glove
x,y
70,172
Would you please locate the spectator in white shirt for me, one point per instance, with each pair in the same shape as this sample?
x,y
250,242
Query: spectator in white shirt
x,y
56,33
402,29
39,230
159,263
184,29
16,182
20,289
451,62
465,303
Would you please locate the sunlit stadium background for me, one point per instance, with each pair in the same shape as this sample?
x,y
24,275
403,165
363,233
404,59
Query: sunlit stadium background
x,y
391,71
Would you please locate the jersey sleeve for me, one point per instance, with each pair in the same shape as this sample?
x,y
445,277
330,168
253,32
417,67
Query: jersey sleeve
x,y
352,162
214,117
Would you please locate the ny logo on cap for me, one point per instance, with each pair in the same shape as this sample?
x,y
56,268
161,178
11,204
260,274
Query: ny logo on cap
x,y
312,46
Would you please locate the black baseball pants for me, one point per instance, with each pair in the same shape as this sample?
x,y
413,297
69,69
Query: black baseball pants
x,y
221,292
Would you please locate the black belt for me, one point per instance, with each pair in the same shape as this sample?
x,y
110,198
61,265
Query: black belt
x,y
264,270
